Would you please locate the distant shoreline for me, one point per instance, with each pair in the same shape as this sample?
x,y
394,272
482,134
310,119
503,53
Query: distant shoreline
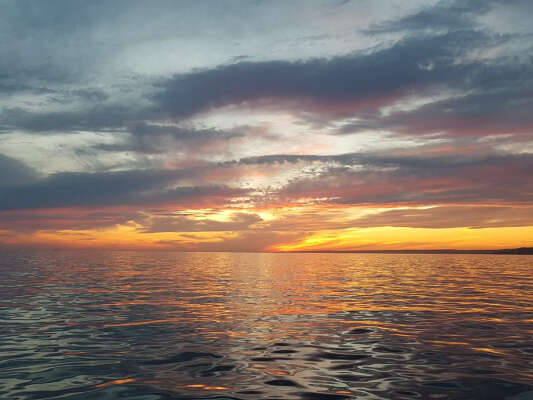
x,y
526,251
519,251
516,251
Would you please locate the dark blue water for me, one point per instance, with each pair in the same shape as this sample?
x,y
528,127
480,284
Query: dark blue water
x,y
140,325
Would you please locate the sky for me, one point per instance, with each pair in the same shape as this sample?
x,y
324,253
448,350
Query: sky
x,y
266,125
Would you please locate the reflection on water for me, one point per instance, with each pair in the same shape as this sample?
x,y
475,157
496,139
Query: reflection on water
x,y
141,325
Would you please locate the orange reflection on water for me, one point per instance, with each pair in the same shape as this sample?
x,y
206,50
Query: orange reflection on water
x,y
489,350
275,372
297,317
232,290
202,387
150,322
115,382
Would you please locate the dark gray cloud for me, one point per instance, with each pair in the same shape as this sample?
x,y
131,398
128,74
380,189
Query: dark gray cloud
x,y
102,50
449,15
495,94
15,173
497,179
153,139
352,178
31,221
91,118
132,187
355,85
362,80
427,163
75,189
425,178
445,15
499,105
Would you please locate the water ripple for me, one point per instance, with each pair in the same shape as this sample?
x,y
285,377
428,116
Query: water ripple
x,y
142,325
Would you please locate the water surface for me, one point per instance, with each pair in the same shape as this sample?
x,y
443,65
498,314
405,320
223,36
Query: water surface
x,y
140,325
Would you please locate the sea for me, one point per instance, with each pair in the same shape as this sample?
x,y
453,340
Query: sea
x,y
167,325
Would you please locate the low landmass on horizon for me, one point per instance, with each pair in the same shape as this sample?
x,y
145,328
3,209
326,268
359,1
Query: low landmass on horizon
x,y
521,250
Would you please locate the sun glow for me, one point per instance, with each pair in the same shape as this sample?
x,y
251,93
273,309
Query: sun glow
x,y
305,227
399,238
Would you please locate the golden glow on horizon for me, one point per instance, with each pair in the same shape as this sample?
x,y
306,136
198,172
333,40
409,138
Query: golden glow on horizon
x,y
307,227
396,238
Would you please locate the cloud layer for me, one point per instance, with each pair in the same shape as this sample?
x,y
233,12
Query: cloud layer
x,y
229,127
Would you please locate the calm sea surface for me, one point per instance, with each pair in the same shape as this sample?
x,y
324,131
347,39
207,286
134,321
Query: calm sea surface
x,y
140,325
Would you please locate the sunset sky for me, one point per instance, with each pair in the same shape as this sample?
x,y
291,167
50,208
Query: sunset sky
x,y
266,125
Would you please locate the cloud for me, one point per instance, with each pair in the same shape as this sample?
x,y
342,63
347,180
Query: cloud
x,y
132,187
501,108
60,219
450,217
494,93
453,15
491,94
351,84
242,242
242,106
492,179
176,223
426,162
156,139
91,117
351,178
445,15
15,173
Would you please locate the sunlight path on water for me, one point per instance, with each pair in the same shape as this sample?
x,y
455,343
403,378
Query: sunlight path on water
x,y
141,325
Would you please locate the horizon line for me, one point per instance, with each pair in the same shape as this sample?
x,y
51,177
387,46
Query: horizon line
x,y
501,251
